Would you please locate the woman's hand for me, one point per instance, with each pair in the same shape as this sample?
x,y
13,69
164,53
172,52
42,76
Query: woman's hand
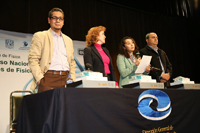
x,y
137,62
148,68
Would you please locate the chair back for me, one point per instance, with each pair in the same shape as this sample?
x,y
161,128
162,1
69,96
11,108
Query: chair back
x,y
15,102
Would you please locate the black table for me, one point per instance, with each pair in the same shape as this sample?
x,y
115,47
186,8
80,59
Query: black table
x,y
104,110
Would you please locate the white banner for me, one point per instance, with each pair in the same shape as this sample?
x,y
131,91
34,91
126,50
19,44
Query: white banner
x,y
14,71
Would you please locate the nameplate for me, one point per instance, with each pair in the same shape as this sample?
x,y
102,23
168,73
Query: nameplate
x,y
92,84
186,86
98,84
145,85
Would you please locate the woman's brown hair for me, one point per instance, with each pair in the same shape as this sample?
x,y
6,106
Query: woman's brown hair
x,y
122,49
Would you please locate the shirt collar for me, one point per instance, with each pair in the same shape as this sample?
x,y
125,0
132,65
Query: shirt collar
x,y
132,55
153,48
54,33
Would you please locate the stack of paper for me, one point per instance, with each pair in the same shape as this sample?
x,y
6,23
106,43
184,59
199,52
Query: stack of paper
x,y
143,64
89,75
142,78
181,80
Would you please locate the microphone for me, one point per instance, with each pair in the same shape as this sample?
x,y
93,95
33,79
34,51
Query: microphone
x,y
138,55
156,69
88,66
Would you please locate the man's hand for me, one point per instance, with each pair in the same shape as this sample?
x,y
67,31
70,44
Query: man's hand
x,y
165,76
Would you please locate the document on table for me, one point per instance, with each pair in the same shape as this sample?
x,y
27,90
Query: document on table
x,y
143,64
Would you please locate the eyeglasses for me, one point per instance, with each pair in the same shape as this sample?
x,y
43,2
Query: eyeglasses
x,y
57,18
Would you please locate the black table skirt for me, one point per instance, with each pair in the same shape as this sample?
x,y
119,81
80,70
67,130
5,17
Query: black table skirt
x,y
104,110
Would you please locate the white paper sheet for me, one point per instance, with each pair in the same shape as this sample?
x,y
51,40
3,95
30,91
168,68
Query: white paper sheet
x,y
143,64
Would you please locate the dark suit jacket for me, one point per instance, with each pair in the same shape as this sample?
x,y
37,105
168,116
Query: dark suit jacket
x,y
92,56
155,61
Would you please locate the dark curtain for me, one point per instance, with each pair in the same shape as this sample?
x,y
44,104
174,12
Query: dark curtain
x,y
175,22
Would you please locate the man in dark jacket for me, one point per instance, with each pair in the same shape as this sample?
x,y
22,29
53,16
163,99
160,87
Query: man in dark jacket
x,y
161,67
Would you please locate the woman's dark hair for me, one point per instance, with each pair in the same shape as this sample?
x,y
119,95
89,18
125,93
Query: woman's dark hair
x,y
122,49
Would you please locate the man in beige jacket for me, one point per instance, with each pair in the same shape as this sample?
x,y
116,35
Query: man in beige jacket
x,y
51,56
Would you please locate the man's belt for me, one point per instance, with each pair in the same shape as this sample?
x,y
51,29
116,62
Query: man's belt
x,y
58,72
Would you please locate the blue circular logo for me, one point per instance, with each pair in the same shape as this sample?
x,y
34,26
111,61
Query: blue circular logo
x,y
163,109
25,43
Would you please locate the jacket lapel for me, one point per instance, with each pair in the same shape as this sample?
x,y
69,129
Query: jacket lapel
x,y
150,49
68,50
50,36
159,54
129,60
161,58
96,52
106,51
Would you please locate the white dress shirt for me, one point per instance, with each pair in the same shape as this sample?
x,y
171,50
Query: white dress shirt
x,y
59,61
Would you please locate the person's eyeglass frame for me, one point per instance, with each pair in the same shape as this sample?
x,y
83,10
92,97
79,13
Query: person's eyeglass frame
x,y
57,18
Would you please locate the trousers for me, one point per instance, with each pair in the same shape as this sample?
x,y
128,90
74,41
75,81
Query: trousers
x,y
52,80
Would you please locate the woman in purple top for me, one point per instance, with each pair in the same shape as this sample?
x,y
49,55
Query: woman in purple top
x,y
96,56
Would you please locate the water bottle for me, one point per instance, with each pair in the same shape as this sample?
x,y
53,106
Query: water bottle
x,y
69,79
